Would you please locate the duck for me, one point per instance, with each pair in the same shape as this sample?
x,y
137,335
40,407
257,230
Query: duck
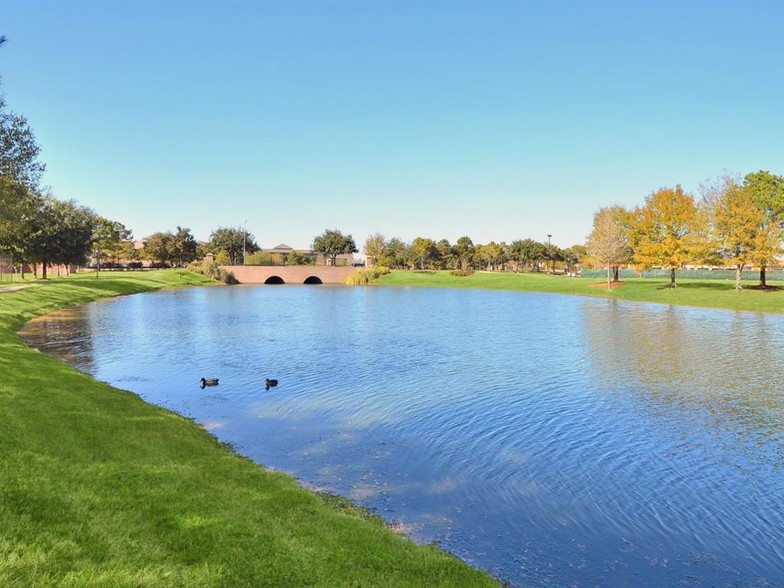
x,y
270,383
209,382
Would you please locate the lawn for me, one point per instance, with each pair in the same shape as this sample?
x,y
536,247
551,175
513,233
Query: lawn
x,y
98,488
704,293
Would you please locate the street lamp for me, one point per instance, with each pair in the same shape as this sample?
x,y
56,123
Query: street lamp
x,y
244,240
549,253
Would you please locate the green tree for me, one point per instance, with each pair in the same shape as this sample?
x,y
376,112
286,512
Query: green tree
x,y
527,253
158,247
667,231
61,233
464,248
183,246
18,150
111,238
767,192
446,254
424,250
18,207
295,258
332,243
233,241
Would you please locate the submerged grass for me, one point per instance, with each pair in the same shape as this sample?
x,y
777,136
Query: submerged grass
x,y
702,293
98,488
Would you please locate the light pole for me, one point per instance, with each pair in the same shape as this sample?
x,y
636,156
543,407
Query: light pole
x,y
244,240
549,253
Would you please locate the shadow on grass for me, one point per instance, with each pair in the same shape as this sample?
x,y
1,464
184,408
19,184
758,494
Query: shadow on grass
x,y
713,286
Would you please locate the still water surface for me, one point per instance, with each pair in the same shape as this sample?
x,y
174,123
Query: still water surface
x,y
551,440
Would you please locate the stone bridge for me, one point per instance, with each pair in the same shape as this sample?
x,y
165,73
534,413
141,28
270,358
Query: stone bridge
x,y
289,274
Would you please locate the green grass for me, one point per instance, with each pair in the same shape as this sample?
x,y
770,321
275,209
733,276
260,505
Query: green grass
x,y
703,293
98,488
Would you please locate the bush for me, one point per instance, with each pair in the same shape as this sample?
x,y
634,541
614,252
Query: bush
x,y
213,271
365,276
461,273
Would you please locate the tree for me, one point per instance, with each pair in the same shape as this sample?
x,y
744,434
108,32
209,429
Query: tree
x,y
332,243
465,251
527,252
396,253
446,254
737,221
490,255
61,233
232,241
295,258
374,248
18,150
158,247
767,192
666,231
424,250
183,246
573,256
609,240
18,207
111,238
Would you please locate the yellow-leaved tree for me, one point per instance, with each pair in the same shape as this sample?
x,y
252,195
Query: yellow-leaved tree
x,y
667,231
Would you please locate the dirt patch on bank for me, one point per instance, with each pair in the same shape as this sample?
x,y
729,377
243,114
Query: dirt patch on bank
x,y
613,285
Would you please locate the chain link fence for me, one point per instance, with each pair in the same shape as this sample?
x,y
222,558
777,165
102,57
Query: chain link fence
x,y
686,274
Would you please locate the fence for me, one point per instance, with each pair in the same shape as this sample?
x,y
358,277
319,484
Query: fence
x,y
693,274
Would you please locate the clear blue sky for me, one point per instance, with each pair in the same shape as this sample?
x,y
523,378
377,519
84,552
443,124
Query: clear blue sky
x,y
496,120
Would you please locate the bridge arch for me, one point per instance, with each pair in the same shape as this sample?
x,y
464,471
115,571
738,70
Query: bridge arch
x,y
274,280
312,280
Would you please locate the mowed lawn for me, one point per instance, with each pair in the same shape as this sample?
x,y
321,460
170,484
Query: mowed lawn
x,y
690,292
98,488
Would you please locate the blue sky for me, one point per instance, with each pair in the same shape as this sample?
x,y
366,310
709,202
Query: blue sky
x,y
496,120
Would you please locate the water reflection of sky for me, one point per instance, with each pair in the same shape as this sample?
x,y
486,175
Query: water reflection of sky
x,y
551,440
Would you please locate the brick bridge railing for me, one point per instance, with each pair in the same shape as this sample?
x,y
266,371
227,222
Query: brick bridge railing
x,y
289,274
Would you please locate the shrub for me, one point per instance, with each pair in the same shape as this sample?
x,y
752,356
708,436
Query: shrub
x,y
212,270
461,273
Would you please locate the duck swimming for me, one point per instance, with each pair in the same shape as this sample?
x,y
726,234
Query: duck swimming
x,y
270,383
209,382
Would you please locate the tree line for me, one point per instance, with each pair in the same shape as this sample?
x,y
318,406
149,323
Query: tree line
x,y
734,223
424,253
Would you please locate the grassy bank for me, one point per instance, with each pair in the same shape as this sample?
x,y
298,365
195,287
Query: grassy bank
x,y
98,488
704,293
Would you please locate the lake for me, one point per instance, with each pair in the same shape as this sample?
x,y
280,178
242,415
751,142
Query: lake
x,y
551,440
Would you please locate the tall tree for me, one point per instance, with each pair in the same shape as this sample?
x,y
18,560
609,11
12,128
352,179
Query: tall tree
x,y
609,240
332,243
446,254
424,250
110,239
767,192
158,247
666,231
232,241
18,149
374,248
465,251
737,221
61,233
183,246
18,207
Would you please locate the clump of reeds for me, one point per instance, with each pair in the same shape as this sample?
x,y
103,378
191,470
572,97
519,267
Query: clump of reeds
x,y
366,276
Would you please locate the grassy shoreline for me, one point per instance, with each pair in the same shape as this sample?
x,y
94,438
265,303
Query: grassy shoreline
x,y
719,294
101,489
